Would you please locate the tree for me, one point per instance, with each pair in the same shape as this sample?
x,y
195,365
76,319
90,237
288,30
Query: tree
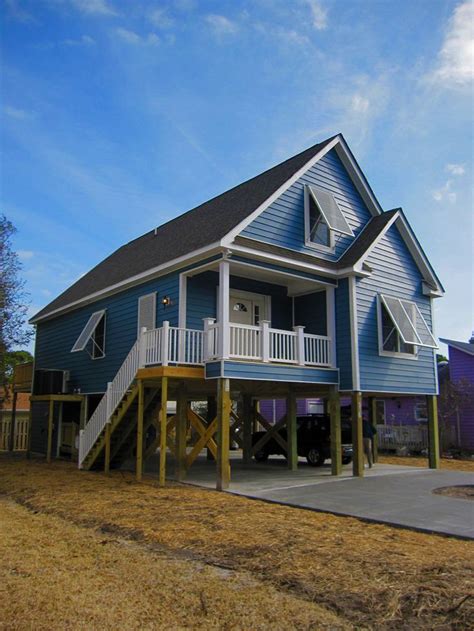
x,y
13,299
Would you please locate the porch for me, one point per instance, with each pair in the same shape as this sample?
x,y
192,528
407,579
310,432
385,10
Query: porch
x,y
235,309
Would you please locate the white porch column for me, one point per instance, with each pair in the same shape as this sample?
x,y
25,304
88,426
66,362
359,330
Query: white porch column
x,y
300,354
223,319
331,324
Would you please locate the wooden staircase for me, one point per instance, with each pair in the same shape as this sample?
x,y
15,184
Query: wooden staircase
x,y
123,435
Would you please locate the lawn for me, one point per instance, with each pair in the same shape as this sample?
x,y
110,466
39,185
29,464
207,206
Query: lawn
x,y
82,550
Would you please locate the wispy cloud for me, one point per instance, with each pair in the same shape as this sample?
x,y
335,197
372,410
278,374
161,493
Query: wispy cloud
x,y
94,7
445,193
160,18
131,37
456,169
25,255
221,25
319,15
455,64
17,113
17,12
84,40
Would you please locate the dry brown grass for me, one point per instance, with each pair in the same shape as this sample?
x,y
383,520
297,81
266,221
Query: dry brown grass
x,y
372,576
55,575
418,461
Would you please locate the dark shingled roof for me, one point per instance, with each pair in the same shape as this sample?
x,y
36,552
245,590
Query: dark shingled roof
x,y
191,231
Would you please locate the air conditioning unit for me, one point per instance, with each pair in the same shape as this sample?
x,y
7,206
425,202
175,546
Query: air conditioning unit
x,y
48,381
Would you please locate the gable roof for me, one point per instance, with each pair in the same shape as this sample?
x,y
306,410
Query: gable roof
x,y
202,226
465,347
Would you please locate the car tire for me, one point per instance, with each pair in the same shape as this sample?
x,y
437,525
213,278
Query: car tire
x,y
261,456
315,457
346,460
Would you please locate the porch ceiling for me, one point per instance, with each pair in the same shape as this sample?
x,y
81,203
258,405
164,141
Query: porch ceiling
x,y
296,285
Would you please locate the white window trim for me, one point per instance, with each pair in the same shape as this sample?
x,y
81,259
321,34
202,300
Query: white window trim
x,y
384,353
378,401
415,415
310,244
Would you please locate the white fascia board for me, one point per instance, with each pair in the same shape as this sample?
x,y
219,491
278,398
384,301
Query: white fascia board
x,y
153,272
358,178
230,236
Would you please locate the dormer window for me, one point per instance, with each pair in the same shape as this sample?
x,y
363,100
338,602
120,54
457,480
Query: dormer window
x,y
324,220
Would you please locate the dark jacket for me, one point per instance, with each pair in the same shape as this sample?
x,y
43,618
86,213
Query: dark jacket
x,y
368,430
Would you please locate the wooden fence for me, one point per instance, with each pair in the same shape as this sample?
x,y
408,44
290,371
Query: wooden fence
x,y
20,439
412,437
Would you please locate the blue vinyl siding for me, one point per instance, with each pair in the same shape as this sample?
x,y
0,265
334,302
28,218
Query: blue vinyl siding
x,y
343,335
282,223
55,338
395,273
270,372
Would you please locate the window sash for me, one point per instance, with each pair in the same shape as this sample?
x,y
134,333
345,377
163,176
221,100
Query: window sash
x,y
412,331
330,211
88,331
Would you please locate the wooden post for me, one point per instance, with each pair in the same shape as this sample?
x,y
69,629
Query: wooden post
x,y
140,415
373,422
107,448
357,438
30,432
11,442
50,430
181,426
335,416
292,432
163,429
433,432
247,423
223,426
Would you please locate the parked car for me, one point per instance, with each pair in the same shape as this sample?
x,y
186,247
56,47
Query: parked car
x,y
313,440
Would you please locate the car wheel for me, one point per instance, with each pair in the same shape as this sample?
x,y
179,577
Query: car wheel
x,y
347,460
315,458
261,456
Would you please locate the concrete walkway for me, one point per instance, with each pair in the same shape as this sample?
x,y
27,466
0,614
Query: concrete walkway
x,y
391,494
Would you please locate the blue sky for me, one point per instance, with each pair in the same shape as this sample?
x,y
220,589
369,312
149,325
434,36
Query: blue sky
x,y
118,115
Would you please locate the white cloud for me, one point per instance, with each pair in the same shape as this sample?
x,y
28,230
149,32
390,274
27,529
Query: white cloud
x,y
85,40
160,18
17,12
360,103
455,67
25,255
17,113
130,37
94,7
221,25
456,169
319,15
445,193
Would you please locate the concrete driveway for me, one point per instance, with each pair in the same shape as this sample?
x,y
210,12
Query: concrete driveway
x,y
391,494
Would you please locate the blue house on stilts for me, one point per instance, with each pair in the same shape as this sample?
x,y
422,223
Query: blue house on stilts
x,y
294,284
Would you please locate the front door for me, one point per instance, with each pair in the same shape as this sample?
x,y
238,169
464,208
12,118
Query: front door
x,y
246,308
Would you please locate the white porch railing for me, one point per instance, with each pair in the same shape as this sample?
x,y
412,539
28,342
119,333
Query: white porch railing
x,y
116,389
264,344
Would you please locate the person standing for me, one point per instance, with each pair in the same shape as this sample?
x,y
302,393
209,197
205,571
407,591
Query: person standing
x,y
368,432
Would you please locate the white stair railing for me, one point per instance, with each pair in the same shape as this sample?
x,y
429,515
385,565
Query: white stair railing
x,y
116,389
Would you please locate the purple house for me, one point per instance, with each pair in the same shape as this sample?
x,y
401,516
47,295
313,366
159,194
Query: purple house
x,y
457,393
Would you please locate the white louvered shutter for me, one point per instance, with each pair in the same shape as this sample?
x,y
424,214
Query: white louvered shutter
x,y
147,312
